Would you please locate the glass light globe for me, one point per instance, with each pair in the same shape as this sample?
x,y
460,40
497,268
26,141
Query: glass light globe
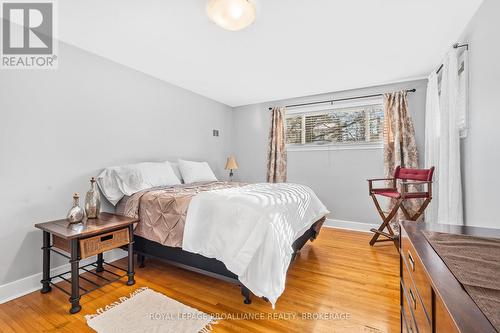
x,y
231,15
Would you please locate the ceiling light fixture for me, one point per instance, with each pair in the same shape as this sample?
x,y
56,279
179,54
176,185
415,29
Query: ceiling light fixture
x,y
231,15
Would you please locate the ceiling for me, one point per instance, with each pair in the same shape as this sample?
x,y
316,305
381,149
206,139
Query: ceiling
x,y
294,48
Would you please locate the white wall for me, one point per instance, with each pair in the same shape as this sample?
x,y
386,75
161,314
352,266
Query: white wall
x,y
480,151
338,177
58,128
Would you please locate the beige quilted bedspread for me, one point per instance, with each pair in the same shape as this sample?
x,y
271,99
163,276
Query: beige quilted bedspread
x,y
162,211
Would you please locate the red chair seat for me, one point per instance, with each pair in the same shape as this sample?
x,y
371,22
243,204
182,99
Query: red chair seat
x,y
392,193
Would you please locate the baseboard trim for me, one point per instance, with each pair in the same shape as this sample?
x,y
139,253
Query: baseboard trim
x,y
21,287
349,225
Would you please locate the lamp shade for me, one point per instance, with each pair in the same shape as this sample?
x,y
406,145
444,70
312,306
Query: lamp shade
x,y
231,15
231,163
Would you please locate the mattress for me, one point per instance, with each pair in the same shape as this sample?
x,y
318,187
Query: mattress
x,y
162,210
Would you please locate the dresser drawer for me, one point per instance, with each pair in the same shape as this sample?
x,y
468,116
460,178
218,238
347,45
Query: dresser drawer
x,y
414,302
408,324
404,322
415,273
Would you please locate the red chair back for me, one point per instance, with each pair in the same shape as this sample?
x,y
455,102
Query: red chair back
x,y
413,174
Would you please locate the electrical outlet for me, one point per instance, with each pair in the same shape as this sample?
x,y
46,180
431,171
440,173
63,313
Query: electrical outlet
x,y
215,132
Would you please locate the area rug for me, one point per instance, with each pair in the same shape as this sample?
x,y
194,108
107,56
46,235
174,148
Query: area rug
x,y
149,311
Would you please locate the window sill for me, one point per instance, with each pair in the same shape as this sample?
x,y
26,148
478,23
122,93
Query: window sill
x,y
367,146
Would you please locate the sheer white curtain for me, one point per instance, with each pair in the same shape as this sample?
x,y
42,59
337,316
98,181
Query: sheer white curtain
x,y
463,93
432,129
443,143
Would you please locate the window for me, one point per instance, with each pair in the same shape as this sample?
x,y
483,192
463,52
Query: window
x,y
356,123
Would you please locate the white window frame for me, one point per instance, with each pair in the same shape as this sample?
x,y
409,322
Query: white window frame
x,y
312,109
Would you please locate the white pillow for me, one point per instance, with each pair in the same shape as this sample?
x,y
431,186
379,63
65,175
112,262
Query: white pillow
x,y
115,182
141,176
108,183
196,172
177,171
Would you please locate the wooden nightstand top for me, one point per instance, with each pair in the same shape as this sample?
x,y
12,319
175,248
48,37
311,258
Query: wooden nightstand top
x,y
106,222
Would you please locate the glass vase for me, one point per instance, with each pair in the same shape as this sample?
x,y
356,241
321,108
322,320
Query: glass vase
x,y
93,200
76,213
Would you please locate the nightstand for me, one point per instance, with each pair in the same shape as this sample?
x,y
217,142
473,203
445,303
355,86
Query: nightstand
x,y
83,240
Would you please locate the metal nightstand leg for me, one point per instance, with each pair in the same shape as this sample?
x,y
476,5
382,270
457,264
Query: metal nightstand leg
x,y
99,263
130,268
46,263
75,278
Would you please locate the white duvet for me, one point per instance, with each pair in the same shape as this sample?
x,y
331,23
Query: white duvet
x,y
251,229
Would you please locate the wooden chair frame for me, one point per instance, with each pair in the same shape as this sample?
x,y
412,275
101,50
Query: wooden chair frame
x,y
399,204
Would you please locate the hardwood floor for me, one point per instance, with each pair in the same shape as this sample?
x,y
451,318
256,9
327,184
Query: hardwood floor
x,y
337,274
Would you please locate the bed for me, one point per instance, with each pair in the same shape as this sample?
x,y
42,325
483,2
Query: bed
x,y
247,234
159,234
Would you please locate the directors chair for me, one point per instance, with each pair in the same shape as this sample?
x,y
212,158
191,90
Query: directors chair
x,y
400,196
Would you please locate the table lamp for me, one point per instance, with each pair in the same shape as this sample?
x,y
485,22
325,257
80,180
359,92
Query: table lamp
x,y
231,165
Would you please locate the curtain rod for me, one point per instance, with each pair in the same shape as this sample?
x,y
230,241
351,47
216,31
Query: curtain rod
x,y
340,99
455,46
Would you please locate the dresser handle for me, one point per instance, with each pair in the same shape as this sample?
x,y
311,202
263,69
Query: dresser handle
x,y
413,299
412,262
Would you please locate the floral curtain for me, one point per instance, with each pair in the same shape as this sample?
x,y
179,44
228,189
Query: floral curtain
x,y
276,160
399,140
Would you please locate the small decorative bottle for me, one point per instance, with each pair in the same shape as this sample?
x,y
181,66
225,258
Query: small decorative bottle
x,y
76,213
93,201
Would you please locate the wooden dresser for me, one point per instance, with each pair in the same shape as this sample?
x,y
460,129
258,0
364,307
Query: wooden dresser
x,y
432,300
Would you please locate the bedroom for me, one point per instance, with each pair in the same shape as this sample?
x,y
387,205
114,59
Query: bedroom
x,y
134,82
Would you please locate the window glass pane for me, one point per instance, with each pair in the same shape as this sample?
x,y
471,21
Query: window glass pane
x,y
351,125
376,114
360,124
319,128
293,130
